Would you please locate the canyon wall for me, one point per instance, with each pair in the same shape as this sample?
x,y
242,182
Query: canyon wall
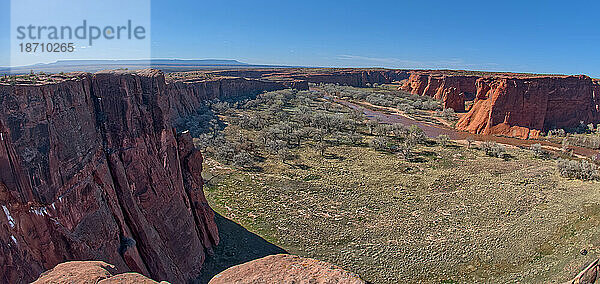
x,y
91,169
510,104
525,107
347,77
353,77
452,90
516,105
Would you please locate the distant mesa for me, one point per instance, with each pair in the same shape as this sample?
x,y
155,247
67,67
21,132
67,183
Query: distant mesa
x,y
166,65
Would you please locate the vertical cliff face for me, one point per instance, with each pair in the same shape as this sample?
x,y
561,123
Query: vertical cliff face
x,y
596,97
452,90
91,169
516,105
523,107
347,77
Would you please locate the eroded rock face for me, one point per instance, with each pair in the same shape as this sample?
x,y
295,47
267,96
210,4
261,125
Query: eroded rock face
x,y
352,77
452,90
90,272
524,107
302,76
91,169
283,268
516,105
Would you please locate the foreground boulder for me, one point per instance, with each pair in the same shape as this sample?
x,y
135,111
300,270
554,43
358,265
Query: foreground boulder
x,y
90,272
283,268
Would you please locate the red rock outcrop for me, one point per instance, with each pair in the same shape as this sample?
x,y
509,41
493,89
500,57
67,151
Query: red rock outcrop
x,y
90,272
91,169
524,107
284,268
516,105
596,96
353,77
452,90
342,76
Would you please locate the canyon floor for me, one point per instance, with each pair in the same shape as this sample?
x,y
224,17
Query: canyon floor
x,y
449,214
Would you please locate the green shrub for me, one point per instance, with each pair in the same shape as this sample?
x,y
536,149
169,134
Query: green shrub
x,y
583,169
494,149
443,139
538,151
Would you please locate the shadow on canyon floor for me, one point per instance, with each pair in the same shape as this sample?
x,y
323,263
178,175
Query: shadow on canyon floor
x,y
237,246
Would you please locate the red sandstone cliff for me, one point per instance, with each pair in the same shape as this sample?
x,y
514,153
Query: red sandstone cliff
x,y
91,168
303,76
516,105
524,107
452,90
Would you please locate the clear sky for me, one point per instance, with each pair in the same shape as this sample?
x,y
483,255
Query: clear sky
x,y
523,36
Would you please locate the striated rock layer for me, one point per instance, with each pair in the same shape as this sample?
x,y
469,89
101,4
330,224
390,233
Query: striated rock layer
x,y
524,107
283,268
516,105
347,76
91,169
452,90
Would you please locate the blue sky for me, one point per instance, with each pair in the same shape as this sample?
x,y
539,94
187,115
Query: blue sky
x,y
521,36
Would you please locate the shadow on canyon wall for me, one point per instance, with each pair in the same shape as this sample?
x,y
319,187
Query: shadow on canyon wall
x,y
237,246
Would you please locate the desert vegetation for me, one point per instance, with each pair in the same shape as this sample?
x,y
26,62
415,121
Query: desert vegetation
x,y
30,79
585,135
382,96
321,180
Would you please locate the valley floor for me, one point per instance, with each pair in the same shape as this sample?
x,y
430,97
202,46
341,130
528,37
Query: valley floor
x,y
456,216
448,214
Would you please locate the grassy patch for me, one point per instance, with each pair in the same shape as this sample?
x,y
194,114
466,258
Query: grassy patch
x,y
447,214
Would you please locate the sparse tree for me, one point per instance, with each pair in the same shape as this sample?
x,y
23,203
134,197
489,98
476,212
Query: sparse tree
x,y
469,142
565,147
493,149
583,169
244,159
538,151
416,135
443,139
322,148
371,126
405,150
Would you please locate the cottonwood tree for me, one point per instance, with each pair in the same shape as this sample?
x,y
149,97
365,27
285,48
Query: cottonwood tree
x,y
538,151
371,126
443,139
405,150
